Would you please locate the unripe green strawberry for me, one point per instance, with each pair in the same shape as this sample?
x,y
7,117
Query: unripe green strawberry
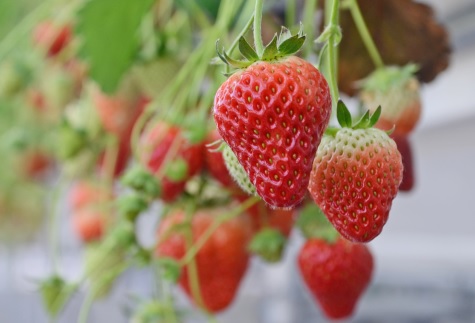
x,y
272,114
236,171
397,91
355,177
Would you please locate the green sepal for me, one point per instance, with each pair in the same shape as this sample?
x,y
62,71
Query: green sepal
x,y
288,44
375,117
55,292
130,206
170,269
385,78
141,181
228,60
343,115
271,51
313,223
177,170
247,51
268,244
344,118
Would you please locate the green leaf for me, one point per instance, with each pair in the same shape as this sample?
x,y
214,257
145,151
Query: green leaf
x,y
271,51
284,35
110,42
247,51
343,115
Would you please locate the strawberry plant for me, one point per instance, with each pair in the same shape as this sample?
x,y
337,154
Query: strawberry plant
x,y
177,109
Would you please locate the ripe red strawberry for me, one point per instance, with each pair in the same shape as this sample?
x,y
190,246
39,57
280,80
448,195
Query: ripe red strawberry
x,y
336,274
404,147
221,262
272,114
51,37
155,146
397,91
355,177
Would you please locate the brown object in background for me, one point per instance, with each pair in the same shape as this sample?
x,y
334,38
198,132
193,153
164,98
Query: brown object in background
x,y
404,32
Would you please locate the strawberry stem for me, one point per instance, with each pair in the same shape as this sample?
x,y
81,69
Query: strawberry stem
x,y
54,223
257,28
290,11
332,50
364,33
309,23
191,253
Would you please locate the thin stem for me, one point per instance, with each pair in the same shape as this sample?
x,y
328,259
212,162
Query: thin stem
x,y
258,27
241,34
332,51
86,308
365,35
309,23
54,224
214,226
290,10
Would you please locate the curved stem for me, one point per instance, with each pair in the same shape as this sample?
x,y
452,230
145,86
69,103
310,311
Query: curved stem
x,y
214,226
365,35
258,27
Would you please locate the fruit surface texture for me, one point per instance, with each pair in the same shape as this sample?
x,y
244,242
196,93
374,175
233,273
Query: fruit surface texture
x,y
355,178
272,115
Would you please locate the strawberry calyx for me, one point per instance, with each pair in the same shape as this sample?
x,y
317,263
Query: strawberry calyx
x,y
269,244
313,224
385,78
282,45
343,115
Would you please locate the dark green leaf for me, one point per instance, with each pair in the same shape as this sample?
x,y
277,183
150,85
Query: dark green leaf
x,y
109,32
343,115
247,51
271,51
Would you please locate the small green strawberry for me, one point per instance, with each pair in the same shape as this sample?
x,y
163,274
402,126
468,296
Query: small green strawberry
x,y
236,171
397,90
355,176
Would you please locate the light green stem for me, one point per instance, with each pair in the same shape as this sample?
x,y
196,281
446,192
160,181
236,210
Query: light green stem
x,y
309,23
332,52
365,35
290,10
258,28
214,226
